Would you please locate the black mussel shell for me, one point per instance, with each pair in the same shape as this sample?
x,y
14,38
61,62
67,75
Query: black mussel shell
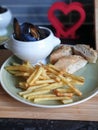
x,y
17,29
28,31
34,31
28,37
2,9
43,33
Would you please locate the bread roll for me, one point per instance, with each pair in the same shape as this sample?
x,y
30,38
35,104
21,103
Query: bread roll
x,y
71,63
62,50
84,50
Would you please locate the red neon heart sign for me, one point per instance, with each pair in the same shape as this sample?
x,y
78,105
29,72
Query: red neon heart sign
x,y
61,30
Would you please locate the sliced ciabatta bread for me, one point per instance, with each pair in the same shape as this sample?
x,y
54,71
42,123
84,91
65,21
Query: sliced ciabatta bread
x,y
62,50
71,63
84,50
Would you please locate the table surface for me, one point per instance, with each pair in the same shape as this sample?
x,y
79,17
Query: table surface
x,y
11,108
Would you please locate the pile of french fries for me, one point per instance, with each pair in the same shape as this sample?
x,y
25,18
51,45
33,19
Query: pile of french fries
x,y
45,82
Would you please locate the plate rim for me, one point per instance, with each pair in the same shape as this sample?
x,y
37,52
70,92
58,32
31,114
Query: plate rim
x,y
41,105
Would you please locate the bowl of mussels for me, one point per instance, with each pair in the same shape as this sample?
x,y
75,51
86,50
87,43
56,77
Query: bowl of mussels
x,y
31,43
5,20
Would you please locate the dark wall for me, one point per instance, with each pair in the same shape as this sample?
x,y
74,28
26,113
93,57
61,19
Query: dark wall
x,y
35,11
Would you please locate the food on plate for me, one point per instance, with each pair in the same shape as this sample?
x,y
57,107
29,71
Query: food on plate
x,y
3,38
73,57
71,63
45,82
84,50
59,52
28,32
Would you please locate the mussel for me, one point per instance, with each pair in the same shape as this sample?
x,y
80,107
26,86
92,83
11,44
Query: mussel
x,y
27,31
34,31
17,29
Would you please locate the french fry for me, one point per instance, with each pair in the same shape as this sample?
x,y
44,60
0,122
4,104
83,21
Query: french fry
x,y
74,77
67,101
71,86
32,88
17,68
44,74
51,87
31,77
41,96
25,92
54,77
35,76
46,82
58,93
50,98
37,86
36,93
75,89
24,74
65,90
23,85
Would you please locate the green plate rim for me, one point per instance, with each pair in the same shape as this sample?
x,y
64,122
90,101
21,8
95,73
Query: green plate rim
x,y
20,99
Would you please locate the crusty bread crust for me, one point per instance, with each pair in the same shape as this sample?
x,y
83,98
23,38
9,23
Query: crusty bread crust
x,y
72,58
61,51
84,50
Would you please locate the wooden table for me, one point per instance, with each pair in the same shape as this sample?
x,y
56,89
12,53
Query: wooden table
x,y
11,108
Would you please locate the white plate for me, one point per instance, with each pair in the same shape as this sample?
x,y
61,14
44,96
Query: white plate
x,y
89,89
